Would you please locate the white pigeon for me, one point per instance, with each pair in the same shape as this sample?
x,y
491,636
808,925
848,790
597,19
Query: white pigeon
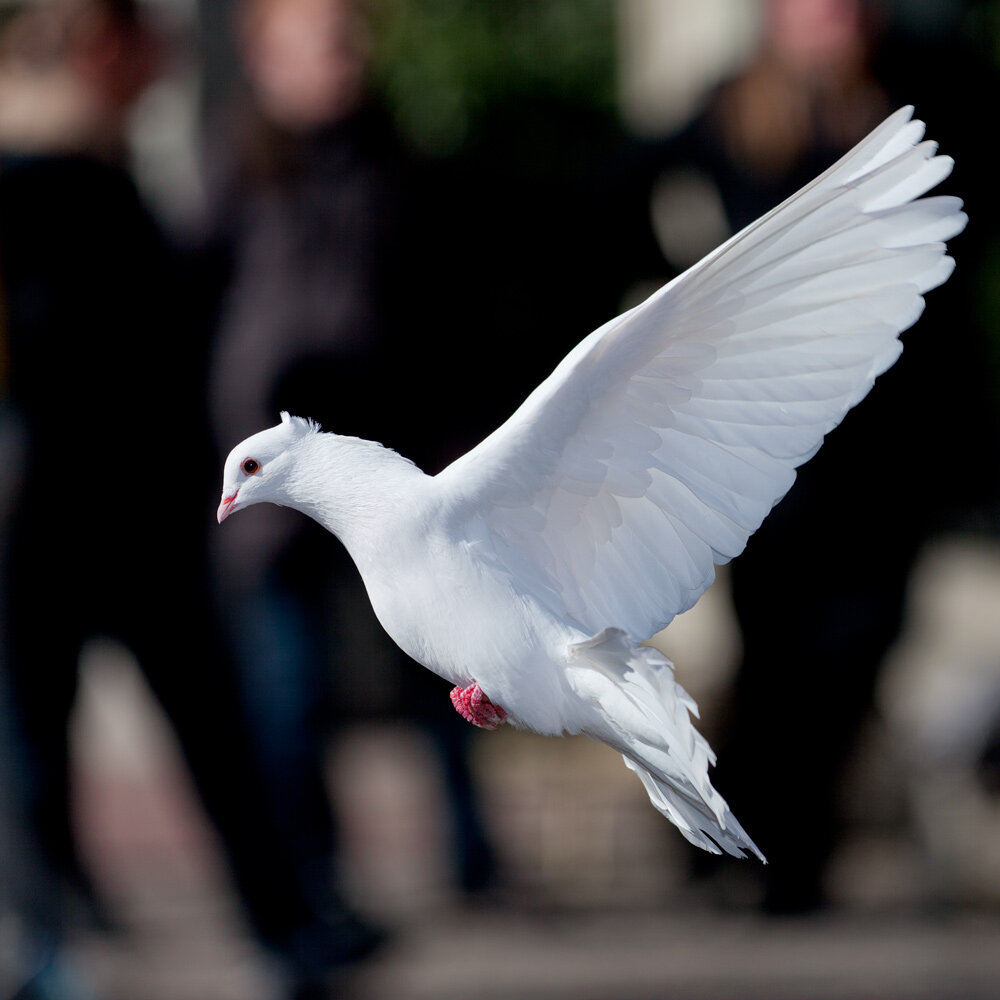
x,y
530,571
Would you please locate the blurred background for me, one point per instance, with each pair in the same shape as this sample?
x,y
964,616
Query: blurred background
x,y
218,780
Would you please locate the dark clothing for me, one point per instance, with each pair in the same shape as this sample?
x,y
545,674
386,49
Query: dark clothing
x,y
107,532
314,280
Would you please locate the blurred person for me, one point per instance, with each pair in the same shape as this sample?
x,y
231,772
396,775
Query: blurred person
x,y
819,591
104,378
311,212
70,72
62,106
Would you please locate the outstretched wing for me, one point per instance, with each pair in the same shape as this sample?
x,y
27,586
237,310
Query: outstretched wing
x,y
662,440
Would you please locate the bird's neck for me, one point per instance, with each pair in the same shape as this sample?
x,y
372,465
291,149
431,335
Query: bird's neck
x,y
356,489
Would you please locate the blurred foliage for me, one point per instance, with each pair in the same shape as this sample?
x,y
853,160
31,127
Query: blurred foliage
x,y
444,65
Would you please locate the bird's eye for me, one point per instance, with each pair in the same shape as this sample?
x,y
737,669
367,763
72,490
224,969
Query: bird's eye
x,y
250,466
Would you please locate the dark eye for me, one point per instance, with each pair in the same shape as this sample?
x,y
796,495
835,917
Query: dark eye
x,y
250,466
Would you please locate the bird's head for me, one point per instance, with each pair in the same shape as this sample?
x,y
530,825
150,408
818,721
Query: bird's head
x,y
257,469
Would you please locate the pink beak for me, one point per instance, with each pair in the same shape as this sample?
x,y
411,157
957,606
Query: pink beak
x,y
226,507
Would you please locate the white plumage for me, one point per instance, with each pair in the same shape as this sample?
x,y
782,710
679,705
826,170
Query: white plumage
x,y
536,564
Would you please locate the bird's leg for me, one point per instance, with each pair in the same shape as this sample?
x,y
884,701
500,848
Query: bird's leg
x,y
474,706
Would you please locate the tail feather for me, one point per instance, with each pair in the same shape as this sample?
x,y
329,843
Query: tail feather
x,y
639,709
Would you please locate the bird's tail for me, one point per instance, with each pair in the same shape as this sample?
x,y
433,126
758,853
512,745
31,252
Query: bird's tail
x,y
641,711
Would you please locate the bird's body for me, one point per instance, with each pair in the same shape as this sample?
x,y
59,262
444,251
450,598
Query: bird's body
x,y
531,570
425,570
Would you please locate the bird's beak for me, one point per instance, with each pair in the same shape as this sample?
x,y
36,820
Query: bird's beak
x,y
227,506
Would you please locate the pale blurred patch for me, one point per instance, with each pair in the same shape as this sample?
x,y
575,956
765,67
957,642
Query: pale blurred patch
x,y
940,695
673,51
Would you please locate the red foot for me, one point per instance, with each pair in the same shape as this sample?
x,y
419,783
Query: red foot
x,y
474,706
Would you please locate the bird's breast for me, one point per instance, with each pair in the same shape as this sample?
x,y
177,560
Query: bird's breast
x,y
464,618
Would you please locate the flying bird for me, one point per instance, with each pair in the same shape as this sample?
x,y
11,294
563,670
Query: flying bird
x,y
530,571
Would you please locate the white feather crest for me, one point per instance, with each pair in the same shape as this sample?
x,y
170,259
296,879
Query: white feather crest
x,y
299,426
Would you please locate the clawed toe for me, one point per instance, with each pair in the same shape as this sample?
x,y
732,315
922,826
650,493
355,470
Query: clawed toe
x,y
475,707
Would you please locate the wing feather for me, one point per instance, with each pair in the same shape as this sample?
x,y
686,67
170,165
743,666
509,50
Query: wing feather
x,y
664,438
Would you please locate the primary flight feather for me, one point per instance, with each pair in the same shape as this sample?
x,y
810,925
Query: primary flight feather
x,y
529,572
